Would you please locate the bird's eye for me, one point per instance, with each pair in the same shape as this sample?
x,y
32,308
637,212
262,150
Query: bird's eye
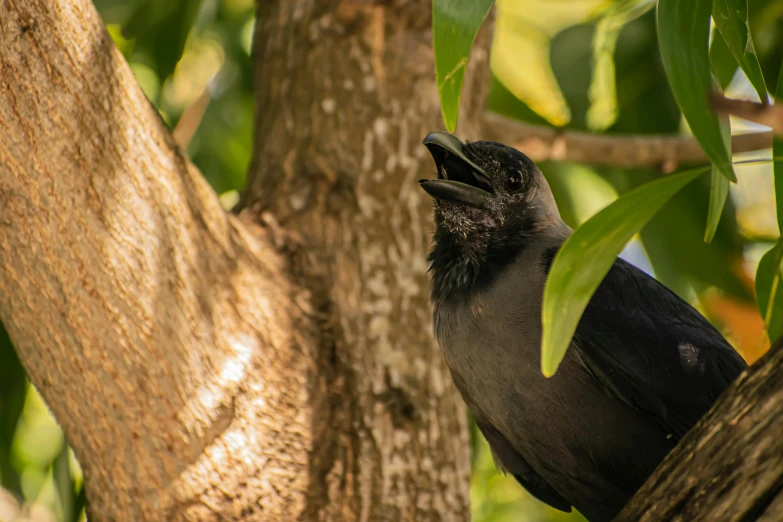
x,y
514,181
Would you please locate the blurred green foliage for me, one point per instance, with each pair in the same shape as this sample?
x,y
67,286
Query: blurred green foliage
x,y
177,49
543,59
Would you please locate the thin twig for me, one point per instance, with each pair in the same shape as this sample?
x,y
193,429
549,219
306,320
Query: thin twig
x,y
193,114
763,114
665,152
191,119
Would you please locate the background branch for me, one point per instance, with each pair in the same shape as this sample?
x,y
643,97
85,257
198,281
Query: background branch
x,y
763,114
638,151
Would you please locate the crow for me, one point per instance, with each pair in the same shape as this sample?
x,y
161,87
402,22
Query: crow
x,y
641,370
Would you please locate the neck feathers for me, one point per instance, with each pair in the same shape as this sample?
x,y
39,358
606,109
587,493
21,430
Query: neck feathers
x,y
460,266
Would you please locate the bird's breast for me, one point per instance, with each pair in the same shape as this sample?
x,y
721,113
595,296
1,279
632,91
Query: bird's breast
x,y
491,342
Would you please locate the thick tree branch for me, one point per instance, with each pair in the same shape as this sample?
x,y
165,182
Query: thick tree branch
x,y
730,466
761,113
165,337
665,152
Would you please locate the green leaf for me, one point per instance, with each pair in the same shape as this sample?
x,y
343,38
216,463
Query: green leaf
x,y
455,24
777,162
683,35
769,275
603,94
731,19
719,190
79,503
163,28
63,483
718,195
769,290
588,254
723,63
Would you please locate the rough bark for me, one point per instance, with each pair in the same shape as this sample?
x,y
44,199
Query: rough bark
x,y
163,335
730,466
203,368
345,93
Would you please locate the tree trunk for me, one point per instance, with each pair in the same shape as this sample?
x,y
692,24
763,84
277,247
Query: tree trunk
x,y
203,367
345,94
730,465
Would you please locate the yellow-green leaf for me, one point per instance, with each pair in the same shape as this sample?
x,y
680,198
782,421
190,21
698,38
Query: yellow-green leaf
x,y
587,256
603,111
520,61
777,154
455,24
769,276
683,35
521,50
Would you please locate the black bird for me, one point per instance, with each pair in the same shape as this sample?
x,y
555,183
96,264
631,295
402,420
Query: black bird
x,y
642,368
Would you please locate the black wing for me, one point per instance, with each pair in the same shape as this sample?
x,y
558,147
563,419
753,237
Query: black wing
x,y
507,458
653,350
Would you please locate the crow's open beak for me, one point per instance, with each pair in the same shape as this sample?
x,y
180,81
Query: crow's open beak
x,y
459,179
